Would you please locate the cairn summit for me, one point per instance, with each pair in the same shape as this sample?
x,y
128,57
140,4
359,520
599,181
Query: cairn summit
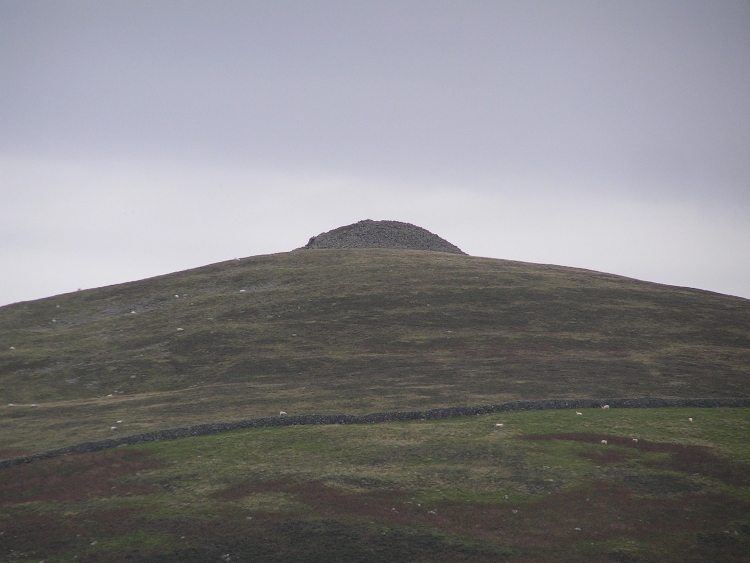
x,y
382,234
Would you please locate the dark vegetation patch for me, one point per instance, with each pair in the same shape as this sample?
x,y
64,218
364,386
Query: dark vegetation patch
x,y
42,535
660,484
603,512
106,536
688,528
74,477
685,458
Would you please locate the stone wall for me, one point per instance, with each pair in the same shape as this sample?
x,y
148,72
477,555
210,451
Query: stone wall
x,y
373,418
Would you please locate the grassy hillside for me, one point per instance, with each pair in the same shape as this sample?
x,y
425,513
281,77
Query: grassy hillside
x,y
519,487
353,331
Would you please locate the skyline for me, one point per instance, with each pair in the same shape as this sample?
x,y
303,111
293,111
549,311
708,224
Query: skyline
x,y
141,138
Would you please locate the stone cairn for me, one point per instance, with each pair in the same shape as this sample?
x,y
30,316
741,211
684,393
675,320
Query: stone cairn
x,y
382,234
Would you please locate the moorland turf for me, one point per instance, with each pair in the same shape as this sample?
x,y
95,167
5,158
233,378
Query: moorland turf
x,y
353,331
366,330
541,487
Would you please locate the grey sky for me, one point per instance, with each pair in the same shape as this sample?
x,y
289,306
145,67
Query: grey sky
x,y
137,138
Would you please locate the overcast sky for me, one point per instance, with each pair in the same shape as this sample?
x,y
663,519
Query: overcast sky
x,y
141,138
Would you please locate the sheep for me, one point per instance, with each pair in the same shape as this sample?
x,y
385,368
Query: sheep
x,y
179,329
690,419
12,347
499,424
604,442
282,413
635,440
605,407
579,413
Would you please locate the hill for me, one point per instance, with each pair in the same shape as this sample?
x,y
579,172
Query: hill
x,y
366,329
353,330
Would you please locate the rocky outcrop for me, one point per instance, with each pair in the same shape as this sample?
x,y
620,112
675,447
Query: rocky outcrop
x,y
382,234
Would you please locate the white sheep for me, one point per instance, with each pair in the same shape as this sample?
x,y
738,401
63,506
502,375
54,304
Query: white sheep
x,y
605,407
604,442
579,413
282,413
690,419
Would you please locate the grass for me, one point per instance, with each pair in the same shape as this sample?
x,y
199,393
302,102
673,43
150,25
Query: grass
x,y
353,331
541,487
358,330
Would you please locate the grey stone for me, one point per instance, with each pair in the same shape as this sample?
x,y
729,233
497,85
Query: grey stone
x,y
382,234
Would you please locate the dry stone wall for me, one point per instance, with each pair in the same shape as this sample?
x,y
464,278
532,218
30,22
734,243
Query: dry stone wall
x,y
373,418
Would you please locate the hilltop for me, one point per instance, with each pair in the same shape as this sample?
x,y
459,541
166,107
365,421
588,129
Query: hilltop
x,y
382,234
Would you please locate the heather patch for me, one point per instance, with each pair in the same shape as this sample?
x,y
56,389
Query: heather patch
x,y
74,477
692,459
517,486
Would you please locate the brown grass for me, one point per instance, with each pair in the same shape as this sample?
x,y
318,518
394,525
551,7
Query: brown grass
x,y
76,477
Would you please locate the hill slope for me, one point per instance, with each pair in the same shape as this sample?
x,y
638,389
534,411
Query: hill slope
x,y
354,330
